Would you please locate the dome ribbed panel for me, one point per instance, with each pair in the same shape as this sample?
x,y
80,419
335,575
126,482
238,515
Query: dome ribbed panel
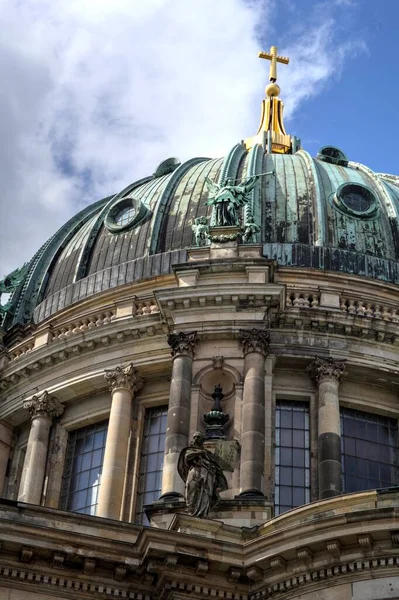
x,y
187,203
65,268
112,249
367,236
287,200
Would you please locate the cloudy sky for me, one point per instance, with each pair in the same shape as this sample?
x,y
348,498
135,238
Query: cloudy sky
x,y
95,93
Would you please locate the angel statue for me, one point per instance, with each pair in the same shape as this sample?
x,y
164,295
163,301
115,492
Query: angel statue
x,y
201,230
251,229
9,284
228,198
203,476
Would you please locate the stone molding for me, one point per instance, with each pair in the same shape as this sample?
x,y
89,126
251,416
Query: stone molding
x,y
183,343
124,377
326,368
255,340
44,406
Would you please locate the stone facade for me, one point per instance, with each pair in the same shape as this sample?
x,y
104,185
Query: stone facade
x,y
265,333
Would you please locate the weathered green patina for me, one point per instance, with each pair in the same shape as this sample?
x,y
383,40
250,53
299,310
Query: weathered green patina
x,y
302,215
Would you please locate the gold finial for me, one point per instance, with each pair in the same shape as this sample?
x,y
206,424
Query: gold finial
x,y
274,59
271,133
273,89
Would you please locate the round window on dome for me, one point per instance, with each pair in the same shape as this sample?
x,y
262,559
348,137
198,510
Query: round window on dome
x,y
356,200
125,213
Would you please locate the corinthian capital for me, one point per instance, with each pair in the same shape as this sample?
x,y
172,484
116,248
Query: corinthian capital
x,y
326,368
124,377
44,406
183,343
255,340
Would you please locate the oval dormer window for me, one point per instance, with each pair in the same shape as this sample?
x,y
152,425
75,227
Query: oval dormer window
x,y
356,200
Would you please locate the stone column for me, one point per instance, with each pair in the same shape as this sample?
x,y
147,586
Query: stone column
x,y
43,409
327,373
5,446
124,381
178,423
255,343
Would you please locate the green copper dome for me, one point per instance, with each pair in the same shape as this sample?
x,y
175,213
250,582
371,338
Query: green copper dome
x,y
313,212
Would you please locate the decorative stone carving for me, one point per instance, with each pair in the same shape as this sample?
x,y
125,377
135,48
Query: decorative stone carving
x,y
58,560
183,343
44,406
254,573
326,368
305,554
202,568
218,362
395,538
89,566
26,554
334,548
124,377
255,340
278,562
203,476
120,572
365,541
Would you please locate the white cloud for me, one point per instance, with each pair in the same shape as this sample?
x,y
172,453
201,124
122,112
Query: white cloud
x,y
96,93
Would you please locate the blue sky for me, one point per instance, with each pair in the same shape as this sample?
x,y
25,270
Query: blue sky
x,y
96,93
357,109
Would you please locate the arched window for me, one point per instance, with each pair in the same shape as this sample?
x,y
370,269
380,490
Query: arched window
x,y
83,467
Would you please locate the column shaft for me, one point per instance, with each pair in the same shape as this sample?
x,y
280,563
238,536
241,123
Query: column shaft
x,y
178,423
253,425
5,446
255,344
35,461
43,409
327,374
329,440
116,450
124,381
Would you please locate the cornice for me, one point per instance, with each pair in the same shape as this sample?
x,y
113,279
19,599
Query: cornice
x,y
323,541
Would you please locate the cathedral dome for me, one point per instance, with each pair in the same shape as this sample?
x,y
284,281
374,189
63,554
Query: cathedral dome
x,y
322,213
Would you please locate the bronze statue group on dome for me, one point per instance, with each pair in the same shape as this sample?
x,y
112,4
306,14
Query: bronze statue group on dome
x,y
227,199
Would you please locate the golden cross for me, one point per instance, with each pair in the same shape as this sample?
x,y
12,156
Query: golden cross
x,y
272,56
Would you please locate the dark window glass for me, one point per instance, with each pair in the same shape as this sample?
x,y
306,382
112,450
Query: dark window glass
x,y
151,465
369,455
83,467
292,456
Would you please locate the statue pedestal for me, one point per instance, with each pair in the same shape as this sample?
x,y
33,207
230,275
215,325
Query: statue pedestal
x,y
222,234
239,512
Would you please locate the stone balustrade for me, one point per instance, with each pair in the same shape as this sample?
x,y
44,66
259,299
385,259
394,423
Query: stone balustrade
x,y
144,308
302,300
369,309
22,349
74,327
140,308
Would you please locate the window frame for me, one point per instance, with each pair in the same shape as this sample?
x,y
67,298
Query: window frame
x,y
281,395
